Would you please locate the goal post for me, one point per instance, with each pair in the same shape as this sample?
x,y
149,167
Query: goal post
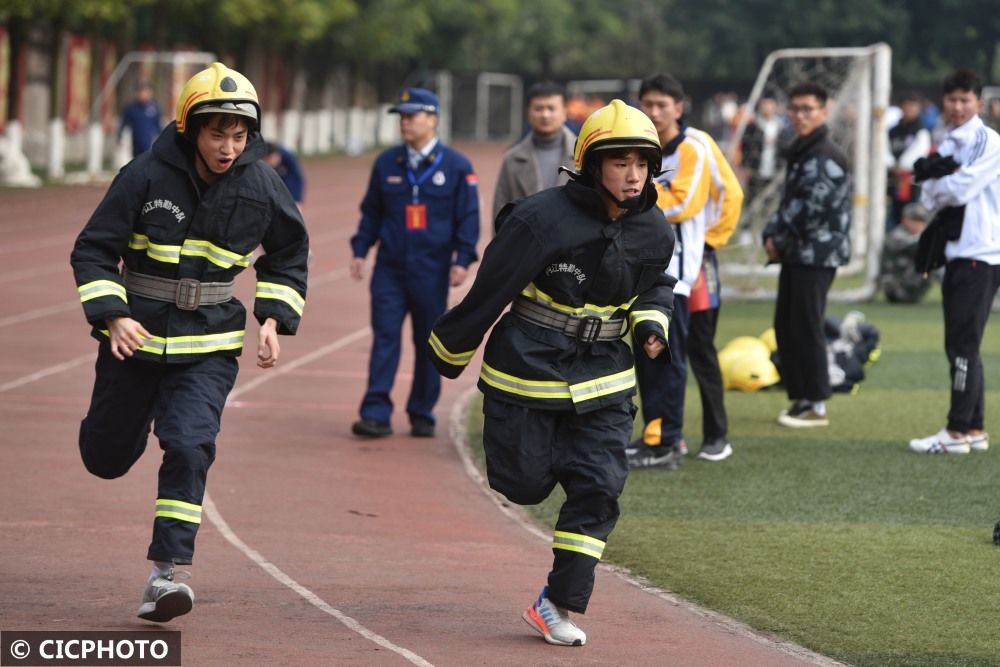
x,y
178,61
858,80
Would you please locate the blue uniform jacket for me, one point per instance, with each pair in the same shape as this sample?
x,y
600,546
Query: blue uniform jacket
x,y
451,196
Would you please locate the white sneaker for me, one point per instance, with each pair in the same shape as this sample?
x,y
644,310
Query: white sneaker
x,y
941,443
802,414
553,623
979,443
163,599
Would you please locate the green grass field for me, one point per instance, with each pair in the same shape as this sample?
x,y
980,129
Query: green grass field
x,y
838,539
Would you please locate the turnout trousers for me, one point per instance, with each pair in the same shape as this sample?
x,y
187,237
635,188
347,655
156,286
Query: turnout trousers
x,y
183,404
529,451
799,313
394,293
967,294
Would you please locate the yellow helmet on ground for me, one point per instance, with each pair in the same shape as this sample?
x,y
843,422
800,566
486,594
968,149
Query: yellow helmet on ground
x,y
770,339
618,125
217,89
749,374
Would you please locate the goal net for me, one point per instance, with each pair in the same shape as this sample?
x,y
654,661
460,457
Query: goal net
x,y
858,82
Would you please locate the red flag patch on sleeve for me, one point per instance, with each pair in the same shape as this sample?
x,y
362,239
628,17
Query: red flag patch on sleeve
x,y
472,179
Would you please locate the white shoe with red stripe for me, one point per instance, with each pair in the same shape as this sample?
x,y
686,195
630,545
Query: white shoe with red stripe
x,y
553,622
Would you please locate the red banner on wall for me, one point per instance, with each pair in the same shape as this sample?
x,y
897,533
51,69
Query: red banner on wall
x,y
109,60
78,63
4,77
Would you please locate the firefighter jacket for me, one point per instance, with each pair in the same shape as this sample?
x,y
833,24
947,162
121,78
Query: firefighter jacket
x,y
559,249
153,220
424,220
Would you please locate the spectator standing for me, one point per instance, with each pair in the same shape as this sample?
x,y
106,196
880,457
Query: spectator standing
x,y
143,118
682,194
532,164
422,208
909,141
972,269
287,165
761,146
808,236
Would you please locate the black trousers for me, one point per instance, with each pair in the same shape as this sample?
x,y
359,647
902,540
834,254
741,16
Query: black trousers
x,y
184,402
705,365
662,385
799,313
529,451
967,294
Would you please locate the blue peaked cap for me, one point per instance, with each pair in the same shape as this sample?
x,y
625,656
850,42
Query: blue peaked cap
x,y
412,100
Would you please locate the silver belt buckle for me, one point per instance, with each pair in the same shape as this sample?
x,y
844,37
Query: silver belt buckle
x,y
188,294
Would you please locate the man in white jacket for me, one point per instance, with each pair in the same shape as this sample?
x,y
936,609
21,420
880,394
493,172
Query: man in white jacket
x,y
972,272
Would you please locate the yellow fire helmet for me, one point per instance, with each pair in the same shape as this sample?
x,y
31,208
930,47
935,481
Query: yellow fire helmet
x,y
217,89
770,339
618,125
749,373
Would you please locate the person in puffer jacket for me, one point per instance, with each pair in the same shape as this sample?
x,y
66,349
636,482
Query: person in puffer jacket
x,y
809,236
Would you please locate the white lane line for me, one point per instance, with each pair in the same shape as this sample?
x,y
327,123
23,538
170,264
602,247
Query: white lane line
x,y
212,512
38,312
301,361
45,372
213,515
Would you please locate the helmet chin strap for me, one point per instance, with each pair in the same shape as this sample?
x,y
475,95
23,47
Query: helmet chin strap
x,y
629,203
204,162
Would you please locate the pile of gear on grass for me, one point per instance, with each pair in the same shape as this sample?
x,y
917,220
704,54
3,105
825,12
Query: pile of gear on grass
x,y
751,363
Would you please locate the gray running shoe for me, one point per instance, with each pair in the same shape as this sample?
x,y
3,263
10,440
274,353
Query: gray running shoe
x,y
641,455
715,450
164,599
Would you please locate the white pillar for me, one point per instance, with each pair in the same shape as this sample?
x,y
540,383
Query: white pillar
x,y
95,149
57,149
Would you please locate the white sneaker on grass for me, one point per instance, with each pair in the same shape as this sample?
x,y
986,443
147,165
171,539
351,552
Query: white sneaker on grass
x,y
163,599
553,623
979,443
941,443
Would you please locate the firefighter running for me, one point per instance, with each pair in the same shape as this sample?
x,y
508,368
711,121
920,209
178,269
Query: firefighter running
x,y
183,219
581,263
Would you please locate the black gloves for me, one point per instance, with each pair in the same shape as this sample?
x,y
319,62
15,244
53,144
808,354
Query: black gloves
x,y
933,166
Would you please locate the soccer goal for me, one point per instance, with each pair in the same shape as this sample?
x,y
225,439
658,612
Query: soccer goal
x,y
858,80
173,67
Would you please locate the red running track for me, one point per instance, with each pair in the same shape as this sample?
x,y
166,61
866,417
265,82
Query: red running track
x,y
318,548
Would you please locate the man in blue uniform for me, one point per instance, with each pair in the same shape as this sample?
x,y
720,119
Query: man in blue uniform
x,y
422,208
143,118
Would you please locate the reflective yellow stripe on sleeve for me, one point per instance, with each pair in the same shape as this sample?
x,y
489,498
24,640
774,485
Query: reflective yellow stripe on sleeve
x,y
99,288
583,544
453,358
178,509
281,293
638,316
603,386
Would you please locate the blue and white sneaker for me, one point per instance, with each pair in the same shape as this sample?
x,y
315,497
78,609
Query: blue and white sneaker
x,y
553,623
941,443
